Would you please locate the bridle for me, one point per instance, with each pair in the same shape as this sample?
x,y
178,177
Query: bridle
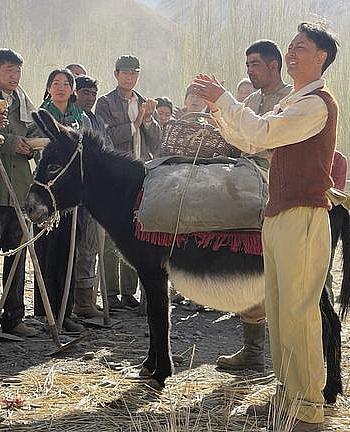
x,y
78,152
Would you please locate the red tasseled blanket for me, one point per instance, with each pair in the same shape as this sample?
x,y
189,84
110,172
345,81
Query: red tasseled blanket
x,y
248,242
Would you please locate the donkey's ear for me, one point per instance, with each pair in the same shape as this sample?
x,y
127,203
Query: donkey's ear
x,y
47,124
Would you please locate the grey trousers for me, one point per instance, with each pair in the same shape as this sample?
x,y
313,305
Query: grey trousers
x,y
86,249
120,277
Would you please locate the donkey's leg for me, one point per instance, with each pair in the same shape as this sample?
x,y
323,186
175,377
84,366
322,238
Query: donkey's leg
x,y
158,362
150,362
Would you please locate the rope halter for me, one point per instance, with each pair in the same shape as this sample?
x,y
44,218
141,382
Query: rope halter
x,y
47,186
54,219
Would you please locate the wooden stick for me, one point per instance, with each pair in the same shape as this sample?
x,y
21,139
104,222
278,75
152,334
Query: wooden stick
x,y
39,276
10,277
102,276
68,280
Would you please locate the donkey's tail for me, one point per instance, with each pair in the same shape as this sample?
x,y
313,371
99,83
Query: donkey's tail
x,y
344,298
332,348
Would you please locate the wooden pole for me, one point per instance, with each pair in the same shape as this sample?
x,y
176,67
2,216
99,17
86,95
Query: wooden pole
x,y
68,280
39,276
101,272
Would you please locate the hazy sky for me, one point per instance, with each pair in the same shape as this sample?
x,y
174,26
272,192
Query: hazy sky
x,y
150,3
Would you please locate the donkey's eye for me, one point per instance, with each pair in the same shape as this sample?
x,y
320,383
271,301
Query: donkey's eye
x,y
53,168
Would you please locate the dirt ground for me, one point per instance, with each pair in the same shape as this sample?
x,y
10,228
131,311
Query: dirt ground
x,y
94,386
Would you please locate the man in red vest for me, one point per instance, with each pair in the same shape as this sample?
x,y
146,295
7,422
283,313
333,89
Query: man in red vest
x,y
296,235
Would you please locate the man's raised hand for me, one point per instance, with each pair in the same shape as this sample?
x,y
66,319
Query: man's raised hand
x,y
3,120
150,107
140,116
22,147
208,87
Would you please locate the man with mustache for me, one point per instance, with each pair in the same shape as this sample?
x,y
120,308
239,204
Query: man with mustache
x,y
264,64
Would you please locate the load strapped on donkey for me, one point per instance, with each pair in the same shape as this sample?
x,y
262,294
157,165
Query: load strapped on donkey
x,y
200,187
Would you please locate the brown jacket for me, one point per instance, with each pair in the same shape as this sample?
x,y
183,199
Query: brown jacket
x,y
300,173
112,108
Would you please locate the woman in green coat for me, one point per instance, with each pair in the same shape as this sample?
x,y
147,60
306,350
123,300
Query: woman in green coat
x,y
53,249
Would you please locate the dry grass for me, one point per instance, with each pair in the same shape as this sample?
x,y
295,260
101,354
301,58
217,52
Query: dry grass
x,y
76,395
90,398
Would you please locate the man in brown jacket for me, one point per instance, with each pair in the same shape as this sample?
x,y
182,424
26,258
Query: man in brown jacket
x,y
131,128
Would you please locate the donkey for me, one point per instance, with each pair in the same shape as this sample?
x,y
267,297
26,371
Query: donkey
x,y
79,169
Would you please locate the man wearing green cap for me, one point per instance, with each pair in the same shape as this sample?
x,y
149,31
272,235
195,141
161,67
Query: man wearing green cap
x,y
131,128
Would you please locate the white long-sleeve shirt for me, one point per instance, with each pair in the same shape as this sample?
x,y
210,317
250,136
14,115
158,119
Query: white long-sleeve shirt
x,y
296,118
133,111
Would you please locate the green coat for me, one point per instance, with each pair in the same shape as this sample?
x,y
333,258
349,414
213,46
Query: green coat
x,y
16,165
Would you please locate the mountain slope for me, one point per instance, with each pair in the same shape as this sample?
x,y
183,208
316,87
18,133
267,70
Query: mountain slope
x,y
57,32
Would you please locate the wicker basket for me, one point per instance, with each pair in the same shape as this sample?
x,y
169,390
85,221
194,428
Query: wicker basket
x,y
182,138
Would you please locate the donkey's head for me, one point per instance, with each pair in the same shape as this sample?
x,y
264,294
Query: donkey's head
x,y
58,182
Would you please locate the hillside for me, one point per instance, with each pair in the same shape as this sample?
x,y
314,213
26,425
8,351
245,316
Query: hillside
x,y
54,33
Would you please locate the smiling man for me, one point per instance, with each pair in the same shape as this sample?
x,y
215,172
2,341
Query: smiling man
x,y
296,233
14,153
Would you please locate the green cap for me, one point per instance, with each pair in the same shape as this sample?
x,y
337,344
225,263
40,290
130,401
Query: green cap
x,y
127,62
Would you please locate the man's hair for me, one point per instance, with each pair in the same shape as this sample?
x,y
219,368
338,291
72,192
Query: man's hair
x,y
322,38
9,56
84,81
244,81
164,102
73,65
191,89
268,51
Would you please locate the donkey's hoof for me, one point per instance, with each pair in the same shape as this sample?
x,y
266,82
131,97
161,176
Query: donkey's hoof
x,y
144,372
154,384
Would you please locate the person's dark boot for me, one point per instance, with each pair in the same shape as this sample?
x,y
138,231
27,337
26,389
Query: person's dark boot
x,y
114,302
84,305
252,355
23,330
72,327
301,426
128,301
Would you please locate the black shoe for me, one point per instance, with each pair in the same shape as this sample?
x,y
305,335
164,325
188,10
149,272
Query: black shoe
x,y
129,302
114,303
71,326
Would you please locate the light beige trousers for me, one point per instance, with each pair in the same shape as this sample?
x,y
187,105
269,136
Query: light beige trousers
x,y
297,249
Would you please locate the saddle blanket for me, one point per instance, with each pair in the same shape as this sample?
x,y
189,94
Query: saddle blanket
x,y
213,194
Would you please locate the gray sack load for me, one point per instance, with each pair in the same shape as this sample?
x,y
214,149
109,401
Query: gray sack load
x,y
222,194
